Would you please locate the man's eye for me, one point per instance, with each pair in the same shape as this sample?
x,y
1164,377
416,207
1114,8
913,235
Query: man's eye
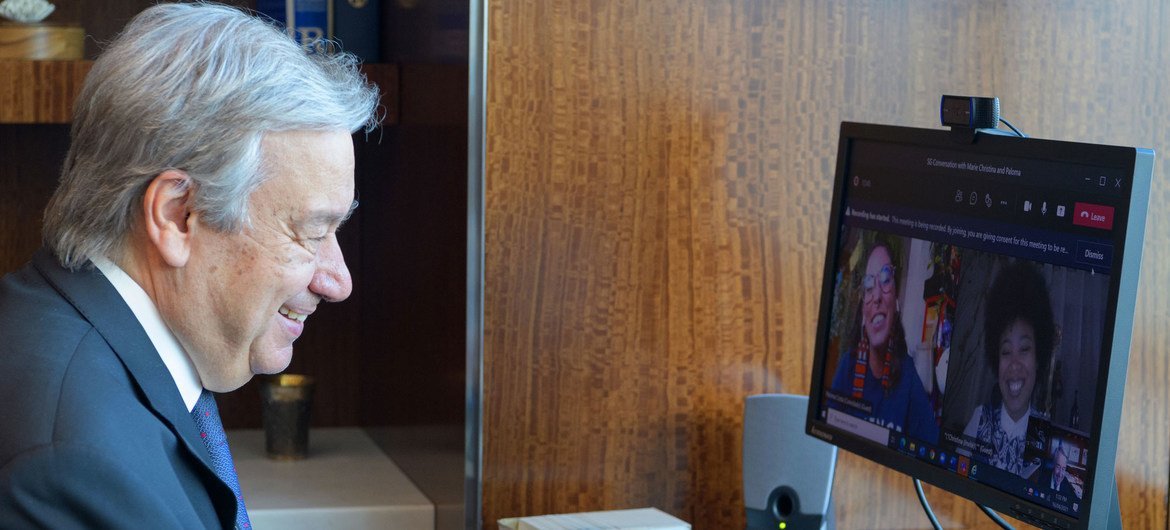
x,y
313,243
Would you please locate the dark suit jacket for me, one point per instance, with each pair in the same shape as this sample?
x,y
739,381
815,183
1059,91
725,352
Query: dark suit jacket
x,y
93,430
1065,489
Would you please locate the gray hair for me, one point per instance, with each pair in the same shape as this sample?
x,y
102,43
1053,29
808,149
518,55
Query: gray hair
x,y
193,87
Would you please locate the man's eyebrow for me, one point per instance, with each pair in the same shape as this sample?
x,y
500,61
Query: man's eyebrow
x,y
328,218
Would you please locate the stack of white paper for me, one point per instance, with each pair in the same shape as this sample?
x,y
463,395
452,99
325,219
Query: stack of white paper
x,y
640,519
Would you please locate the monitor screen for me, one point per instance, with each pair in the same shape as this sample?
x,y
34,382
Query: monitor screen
x,y
976,313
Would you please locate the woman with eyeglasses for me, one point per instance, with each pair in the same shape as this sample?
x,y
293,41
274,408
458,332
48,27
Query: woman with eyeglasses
x,y
1019,337
877,375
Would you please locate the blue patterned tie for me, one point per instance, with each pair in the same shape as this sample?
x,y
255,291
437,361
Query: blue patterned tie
x,y
206,417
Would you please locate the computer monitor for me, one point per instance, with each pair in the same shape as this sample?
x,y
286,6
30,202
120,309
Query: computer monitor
x,y
976,314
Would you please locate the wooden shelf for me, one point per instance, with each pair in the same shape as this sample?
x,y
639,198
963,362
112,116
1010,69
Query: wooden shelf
x,y
34,92
39,91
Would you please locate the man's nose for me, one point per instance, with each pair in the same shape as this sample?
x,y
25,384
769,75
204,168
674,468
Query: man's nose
x,y
331,281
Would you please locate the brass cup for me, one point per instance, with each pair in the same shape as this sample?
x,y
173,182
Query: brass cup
x,y
286,400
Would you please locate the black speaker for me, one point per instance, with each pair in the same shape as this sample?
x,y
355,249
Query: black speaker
x,y
787,474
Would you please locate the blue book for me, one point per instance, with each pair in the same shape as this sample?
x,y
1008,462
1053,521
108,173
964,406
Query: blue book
x,y
357,26
310,22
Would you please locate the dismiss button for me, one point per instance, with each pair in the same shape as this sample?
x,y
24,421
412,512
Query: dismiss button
x,y
1094,254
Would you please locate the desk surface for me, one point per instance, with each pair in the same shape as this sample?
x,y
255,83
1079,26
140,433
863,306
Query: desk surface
x,y
347,482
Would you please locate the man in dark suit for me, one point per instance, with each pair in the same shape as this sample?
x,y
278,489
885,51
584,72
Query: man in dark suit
x,y
1057,479
191,235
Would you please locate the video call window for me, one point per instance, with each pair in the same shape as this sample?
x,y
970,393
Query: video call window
x,y
976,314
972,360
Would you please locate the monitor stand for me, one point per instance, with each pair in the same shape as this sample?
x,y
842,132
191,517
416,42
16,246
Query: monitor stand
x,y
1114,510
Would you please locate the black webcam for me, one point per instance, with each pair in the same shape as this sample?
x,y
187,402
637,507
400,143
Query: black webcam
x,y
969,112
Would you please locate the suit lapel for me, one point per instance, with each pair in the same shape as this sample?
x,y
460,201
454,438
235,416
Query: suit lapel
x,y
99,302
96,299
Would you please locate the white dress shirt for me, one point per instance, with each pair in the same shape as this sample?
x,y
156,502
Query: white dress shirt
x,y
172,354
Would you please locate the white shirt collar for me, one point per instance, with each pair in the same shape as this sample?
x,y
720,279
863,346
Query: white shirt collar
x,y
1013,428
172,354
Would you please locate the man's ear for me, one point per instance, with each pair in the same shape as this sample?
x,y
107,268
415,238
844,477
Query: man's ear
x,y
166,208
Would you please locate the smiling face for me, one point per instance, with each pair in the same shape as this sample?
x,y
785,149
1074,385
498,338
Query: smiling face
x,y
879,294
1017,367
243,298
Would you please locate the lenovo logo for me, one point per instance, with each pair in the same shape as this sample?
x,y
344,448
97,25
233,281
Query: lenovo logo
x,y
821,434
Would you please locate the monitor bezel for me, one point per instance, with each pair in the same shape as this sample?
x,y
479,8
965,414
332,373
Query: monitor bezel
x,y
1101,489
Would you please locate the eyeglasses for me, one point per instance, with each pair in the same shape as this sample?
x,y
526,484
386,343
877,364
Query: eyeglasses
x,y
884,278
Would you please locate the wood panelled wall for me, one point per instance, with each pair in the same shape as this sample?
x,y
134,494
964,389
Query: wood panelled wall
x,y
657,189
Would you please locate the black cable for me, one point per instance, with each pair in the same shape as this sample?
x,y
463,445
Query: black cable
x,y
926,505
1013,128
995,517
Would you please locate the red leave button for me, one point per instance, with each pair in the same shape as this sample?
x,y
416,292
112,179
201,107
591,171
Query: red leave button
x,y
1093,216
